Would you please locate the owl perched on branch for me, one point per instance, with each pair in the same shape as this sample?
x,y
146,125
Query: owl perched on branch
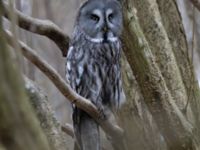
x,y
93,65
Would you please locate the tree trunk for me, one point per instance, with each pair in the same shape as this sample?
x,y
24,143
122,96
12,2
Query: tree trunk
x,y
154,66
19,128
174,28
141,132
152,26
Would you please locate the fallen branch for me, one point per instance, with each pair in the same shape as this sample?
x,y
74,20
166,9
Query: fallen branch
x,y
42,27
113,130
196,3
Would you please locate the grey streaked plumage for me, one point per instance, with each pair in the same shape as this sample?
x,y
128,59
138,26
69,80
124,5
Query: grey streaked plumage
x,y
93,64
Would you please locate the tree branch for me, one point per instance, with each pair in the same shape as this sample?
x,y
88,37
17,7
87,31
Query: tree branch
x,y
196,3
42,27
68,129
82,103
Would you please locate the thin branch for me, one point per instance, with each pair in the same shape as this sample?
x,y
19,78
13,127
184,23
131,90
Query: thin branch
x,y
113,130
68,129
196,3
42,27
191,87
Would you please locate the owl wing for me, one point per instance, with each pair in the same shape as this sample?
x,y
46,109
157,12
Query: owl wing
x,y
74,70
78,75
82,73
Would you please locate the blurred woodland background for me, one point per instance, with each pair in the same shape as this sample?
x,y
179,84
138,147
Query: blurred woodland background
x,y
142,133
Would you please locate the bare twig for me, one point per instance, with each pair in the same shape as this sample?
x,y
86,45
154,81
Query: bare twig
x,y
82,103
196,3
42,27
68,129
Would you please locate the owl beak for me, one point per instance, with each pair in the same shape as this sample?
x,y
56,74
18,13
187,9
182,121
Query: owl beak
x,y
105,29
105,34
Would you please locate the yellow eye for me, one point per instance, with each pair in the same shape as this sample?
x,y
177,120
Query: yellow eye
x,y
94,17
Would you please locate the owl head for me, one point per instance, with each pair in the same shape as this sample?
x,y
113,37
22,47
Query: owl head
x,y
100,20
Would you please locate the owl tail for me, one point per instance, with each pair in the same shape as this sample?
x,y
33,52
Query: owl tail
x,y
86,131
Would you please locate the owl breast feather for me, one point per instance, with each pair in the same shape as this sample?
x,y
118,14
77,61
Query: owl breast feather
x,y
93,71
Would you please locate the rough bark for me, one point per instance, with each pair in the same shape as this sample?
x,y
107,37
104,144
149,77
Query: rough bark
x,y
19,127
140,130
174,29
173,25
151,23
175,129
44,112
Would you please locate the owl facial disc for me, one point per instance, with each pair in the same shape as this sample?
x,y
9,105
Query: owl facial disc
x,y
100,21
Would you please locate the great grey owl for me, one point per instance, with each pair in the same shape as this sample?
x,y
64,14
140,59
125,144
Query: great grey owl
x,y
93,64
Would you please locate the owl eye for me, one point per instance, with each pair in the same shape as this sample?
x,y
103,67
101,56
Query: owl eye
x,y
110,16
94,17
